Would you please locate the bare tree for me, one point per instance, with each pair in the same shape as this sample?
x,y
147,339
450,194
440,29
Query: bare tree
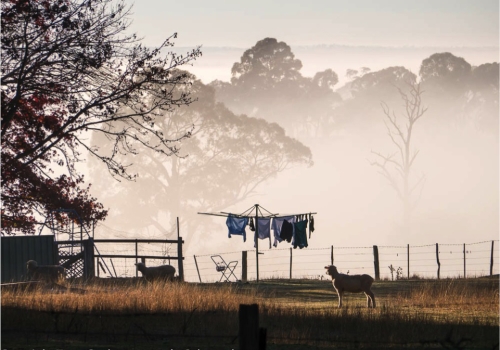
x,y
397,167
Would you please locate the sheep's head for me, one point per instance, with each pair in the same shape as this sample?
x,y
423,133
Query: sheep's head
x,y
31,265
331,270
140,266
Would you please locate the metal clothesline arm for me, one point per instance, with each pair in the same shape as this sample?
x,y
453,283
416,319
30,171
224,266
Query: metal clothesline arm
x,y
277,215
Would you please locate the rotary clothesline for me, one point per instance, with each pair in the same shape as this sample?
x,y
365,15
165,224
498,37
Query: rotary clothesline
x,y
238,227
283,225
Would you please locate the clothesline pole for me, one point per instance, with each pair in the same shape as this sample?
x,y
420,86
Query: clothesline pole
x,y
257,239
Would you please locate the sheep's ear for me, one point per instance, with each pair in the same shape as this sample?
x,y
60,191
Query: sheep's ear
x,y
326,267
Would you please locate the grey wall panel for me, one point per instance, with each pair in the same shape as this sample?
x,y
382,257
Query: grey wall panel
x,y
17,250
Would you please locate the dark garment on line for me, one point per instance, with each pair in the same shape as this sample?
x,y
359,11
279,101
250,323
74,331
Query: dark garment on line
x,y
311,224
251,225
286,231
300,234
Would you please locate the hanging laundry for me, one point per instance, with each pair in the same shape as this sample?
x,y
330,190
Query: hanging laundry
x,y
300,237
276,227
264,226
286,231
311,223
251,225
237,226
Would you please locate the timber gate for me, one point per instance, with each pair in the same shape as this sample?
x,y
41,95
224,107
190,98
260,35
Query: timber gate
x,y
74,253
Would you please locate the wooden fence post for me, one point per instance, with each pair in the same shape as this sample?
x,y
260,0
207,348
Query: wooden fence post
x,y
263,336
331,256
376,262
249,327
290,263
437,259
244,266
408,259
465,272
88,259
197,269
180,259
491,259
136,257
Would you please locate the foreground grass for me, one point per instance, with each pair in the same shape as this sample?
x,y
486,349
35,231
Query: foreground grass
x,y
303,313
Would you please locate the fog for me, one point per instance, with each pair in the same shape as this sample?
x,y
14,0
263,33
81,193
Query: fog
x,y
457,141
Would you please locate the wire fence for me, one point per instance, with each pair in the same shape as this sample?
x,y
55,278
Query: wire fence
x,y
395,262
125,266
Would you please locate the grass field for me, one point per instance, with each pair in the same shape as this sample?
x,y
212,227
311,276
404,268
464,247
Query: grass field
x,y
298,314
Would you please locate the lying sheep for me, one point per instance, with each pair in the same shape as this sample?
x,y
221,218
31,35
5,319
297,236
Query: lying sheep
x,y
46,273
353,284
165,272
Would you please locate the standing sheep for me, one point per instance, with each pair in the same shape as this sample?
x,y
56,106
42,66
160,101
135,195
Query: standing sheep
x,y
353,284
165,272
47,273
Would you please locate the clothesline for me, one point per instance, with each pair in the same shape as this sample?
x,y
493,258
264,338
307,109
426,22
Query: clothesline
x,y
237,223
295,229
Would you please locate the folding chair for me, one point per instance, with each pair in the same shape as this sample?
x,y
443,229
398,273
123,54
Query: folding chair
x,y
224,268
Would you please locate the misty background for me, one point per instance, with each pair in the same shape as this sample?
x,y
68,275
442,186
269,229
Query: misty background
x,y
294,128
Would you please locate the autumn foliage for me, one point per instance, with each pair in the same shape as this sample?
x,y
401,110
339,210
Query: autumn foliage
x,y
68,69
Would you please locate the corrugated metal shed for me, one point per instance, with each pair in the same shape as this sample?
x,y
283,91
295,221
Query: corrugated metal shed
x,y
17,250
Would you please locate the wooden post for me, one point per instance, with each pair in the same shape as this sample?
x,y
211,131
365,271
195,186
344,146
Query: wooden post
x,y
290,263
437,259
257,239
244,267
331,256
249,327
376,263
491,259
88,260
180,259
262,338
178,228
196,263
136,257
465,272
408,258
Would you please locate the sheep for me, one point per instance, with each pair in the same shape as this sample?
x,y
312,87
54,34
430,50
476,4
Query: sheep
x,y
46,273
156,272
353,284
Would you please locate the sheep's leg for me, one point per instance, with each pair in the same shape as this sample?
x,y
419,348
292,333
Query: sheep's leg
x,y
371,298
368,300
340,294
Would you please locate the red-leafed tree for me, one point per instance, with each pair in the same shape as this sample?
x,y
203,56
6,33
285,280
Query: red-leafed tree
x,y
68,69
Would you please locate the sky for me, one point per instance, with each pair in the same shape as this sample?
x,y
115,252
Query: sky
x,y
224,23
